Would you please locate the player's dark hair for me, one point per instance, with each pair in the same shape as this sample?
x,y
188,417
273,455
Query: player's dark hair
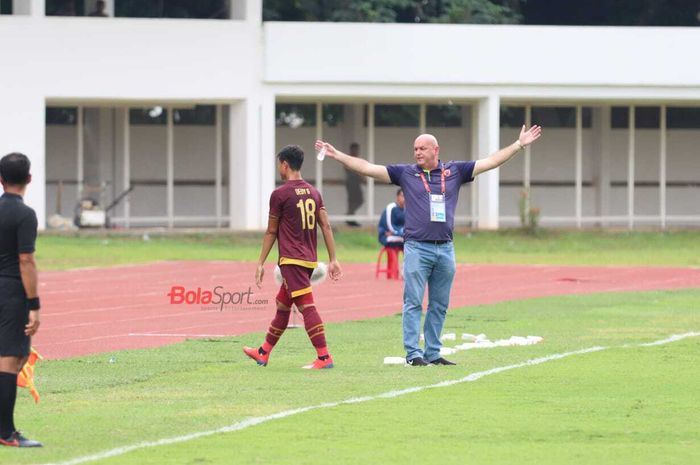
x,y
399,191
293,155
14,169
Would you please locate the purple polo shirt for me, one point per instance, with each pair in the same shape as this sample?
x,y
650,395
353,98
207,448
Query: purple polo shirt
x,y
418,225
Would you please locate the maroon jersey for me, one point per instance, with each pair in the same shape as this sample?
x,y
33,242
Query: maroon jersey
x,y
297,205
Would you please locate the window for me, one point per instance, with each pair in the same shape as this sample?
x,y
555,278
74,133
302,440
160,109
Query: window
x,y
443,116
65,8
333,114
397,116
148,116
547,117
644,117
295,115
61,116
560,117
200,9
5,7
683,118
201,115
512,117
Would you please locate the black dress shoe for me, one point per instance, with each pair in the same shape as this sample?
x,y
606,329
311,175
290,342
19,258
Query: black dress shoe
x,y
417,362
442,361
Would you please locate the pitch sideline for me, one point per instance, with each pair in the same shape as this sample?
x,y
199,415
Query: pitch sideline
x,y
247,423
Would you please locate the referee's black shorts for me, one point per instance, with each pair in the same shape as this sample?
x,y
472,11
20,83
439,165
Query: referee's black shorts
x,y
14,316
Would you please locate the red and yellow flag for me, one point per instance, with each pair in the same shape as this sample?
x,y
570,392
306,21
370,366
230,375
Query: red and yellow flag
x,y
25,378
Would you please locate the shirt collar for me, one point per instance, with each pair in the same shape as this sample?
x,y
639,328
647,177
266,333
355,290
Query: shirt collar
x,y
12,196
440,167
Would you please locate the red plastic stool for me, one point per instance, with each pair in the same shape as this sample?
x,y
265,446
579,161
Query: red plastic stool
x,y
392,263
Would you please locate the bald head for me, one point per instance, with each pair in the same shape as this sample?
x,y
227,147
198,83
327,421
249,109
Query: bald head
x,y
426,151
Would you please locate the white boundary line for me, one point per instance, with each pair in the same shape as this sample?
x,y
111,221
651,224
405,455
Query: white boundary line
x,y
247,423
176,335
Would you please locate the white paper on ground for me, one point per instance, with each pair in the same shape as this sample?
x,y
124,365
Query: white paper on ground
x,y
394,360
448,337
447,351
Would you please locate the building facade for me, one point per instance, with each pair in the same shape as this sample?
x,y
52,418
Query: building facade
x,y
188,114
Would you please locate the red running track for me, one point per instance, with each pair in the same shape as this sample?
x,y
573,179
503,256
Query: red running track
x,y
127,307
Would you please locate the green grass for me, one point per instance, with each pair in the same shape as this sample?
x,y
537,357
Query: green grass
x,y
623,405
680,248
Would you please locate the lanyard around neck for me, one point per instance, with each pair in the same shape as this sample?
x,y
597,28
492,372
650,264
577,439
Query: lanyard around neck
x,y
442,180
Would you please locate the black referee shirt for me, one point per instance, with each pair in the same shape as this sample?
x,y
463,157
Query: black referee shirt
x,y
17,233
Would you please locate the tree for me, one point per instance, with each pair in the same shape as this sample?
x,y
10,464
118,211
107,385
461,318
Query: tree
x,y
394,11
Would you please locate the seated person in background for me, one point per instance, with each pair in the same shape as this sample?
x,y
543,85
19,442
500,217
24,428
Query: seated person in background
x,y
391,223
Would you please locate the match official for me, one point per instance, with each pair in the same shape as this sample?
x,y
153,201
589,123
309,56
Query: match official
x,y
431,187
19,303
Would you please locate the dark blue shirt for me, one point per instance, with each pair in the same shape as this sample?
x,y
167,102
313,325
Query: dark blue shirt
x,y
418,225
392,220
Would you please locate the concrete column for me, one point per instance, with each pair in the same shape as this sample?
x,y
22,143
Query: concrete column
x,y
28,7
98,159
601,161
251,161
248,10
90,6
268,161
488,143
470,114
23,129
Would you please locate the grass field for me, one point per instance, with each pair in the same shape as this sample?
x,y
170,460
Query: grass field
x,y
627,405
680,248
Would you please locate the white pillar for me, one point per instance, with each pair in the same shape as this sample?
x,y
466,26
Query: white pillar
x,y
248,10
268,161
80,144
662,167
630,168
126,159
527,165
370,158
28,7
474,155
218,167
489,127
251,161
527,162
170,168
319,136
422,118
23,129
579,164
601,155
91,5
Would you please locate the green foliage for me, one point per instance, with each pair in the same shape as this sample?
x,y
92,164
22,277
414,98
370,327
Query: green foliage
x,y
478,12
601,12
393,11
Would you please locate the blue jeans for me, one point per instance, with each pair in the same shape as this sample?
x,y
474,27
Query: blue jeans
x,y
434,265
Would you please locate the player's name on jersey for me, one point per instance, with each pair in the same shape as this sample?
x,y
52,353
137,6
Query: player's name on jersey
x,y
302,191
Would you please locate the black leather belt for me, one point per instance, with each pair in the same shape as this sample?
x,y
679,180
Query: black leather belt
x,y
435,242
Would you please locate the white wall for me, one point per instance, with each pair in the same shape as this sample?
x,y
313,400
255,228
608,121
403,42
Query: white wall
x,y
465,54
63,60
120,61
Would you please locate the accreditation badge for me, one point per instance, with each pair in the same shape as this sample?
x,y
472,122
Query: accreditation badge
x,y
437,208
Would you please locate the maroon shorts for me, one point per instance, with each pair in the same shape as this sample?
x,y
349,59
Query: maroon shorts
x,y
296,282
